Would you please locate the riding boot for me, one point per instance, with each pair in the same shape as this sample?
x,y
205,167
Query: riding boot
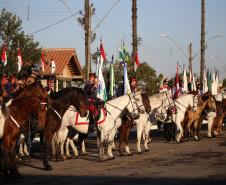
x,y
92,125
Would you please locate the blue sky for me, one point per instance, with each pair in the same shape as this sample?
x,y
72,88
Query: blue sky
x,y
178,19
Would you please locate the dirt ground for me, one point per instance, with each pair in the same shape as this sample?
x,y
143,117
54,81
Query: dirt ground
x,y
191,162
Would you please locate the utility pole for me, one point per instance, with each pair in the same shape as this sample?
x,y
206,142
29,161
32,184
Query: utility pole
x,y
87,38
134,27
202,41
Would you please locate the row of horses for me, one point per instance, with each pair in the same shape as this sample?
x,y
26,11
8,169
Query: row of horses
x,y
64,114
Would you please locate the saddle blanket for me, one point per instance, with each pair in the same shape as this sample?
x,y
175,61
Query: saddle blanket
x,y
84,121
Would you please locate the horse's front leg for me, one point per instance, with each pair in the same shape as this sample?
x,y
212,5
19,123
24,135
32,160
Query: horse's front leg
x,y
102,155
48,141
75,151
196,130
147,132
110,143
81,139
14,171
210,123
121,136
139,135
127,132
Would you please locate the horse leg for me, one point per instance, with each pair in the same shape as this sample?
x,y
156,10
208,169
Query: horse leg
x,y
139,133
53,143
81,139
127,132
196,130
22,140
121,136
102,156
48,141
75,151
146,132
210,122
110,142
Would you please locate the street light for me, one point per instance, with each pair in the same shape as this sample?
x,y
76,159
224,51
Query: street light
x,y
219,60
191,58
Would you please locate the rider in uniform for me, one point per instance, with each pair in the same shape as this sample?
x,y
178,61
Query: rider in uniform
x,y
32,74
165,85
90,88
133,86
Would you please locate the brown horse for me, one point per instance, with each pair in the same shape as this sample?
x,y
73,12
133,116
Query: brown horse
x,y
127,124
61,102
217,122
193,117
20,111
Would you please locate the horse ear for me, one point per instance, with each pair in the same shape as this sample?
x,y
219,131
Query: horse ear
x,y
140,91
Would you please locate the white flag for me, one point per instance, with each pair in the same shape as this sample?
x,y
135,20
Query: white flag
x,y
185,81
52,66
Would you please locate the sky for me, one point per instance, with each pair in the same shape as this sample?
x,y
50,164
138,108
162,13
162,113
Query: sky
x,y
178,19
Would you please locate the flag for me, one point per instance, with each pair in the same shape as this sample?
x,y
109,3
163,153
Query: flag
x,y
185,81
101,92
52,65
19,60
217,81
204,85
4,57
214,83
136,62
125,53
176,88
43,62
112,82
127,89
208,80
161,85
121,54
193,82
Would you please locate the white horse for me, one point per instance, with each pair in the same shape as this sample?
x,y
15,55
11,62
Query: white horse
x,y
181,104
159,103
113,107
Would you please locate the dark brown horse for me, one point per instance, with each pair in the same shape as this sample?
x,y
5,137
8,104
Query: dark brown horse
x,y
20,111
61,102
127,124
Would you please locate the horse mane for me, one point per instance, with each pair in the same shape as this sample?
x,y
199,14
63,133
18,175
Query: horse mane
x,y
64,91
5,110
158,95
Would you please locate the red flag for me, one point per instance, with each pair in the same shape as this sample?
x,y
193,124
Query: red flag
x,y
4,57
19,60
136,63
177,90
43,62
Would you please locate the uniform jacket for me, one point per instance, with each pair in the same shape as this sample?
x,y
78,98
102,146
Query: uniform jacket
x,y
90,92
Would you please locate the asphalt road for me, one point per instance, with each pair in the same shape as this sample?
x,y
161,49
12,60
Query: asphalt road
x,y
192,162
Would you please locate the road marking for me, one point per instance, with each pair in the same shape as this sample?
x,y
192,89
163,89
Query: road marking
x,y
123,163
155,155
111,166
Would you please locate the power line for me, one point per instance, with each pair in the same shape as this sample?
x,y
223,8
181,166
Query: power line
x,y
52,24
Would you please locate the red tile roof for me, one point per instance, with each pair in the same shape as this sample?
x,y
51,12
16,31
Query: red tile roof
x,y
62,57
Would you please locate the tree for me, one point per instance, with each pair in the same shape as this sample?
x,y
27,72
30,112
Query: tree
x,y
11,33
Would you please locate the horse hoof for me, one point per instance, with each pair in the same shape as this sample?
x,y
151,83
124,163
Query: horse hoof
x,y
147,150
85,154
49,168
114,149
130,154
140,152
197,139
121,155
112,158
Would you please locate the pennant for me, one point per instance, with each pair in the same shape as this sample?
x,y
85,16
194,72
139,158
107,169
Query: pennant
x,y
4,57
204,83
121,57
101,92
112,81
52,65
193,82
185,81
214,83
19,60
43,62
208,80
127,89
136,62
125,53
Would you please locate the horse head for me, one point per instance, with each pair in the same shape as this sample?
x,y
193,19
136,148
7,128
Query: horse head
x,y
81,102
132,106
161,112
139,102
